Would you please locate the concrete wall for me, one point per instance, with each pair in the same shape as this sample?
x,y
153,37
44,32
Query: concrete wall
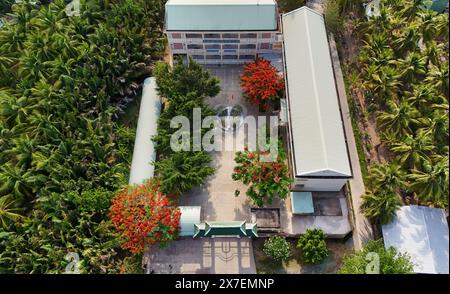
x,y
318,184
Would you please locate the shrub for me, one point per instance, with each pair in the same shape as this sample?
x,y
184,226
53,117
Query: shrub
x,y
277,247
142,215
313,246
390,261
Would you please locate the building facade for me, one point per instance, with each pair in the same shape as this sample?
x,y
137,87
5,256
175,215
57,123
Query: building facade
x,y
222,31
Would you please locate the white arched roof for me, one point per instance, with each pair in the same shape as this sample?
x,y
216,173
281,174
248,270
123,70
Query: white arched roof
x,y
144,151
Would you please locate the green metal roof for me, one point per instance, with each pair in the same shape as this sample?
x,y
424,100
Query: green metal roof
x,y
302,203
230,228
221,15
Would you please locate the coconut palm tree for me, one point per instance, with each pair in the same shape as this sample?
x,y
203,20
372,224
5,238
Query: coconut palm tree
x,y
437,126
431,183
8,212
412,151
400,120
412,67
386,177
439,79
381,206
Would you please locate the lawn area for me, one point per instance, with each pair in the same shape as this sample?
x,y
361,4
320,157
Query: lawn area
x,y
266,265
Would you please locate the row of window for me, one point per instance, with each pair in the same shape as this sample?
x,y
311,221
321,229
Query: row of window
x,y
179,46
223,57
223,36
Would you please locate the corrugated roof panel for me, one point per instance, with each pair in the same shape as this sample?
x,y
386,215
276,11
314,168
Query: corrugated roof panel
x,y
318,138
221,15
144,151
422,232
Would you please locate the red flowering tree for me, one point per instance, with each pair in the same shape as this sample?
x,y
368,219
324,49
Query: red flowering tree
x,y
143,215
266,179
261,82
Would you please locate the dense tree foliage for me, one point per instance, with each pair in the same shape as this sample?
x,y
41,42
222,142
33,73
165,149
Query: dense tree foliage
x,y
185,86
261,82
267,179
365,261
404,66
63,80
144,216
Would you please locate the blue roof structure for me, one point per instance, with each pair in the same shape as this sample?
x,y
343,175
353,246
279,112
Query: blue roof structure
x,y
221,15
302,203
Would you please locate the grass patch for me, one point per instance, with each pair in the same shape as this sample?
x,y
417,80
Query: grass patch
x,y
358,138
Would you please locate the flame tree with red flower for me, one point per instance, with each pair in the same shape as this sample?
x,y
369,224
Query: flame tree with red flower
x,y
143,215
261,82
266,179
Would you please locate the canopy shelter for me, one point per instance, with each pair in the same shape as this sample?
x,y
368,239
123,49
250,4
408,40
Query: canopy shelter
x,y
221,15
190,216
302,203
421,232
144,151
228,229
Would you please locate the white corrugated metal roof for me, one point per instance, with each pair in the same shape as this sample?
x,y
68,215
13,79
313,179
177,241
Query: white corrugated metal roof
x,y
144,152
422,232
318,141
221,15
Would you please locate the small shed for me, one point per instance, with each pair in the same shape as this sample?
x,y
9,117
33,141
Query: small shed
x,y
422,232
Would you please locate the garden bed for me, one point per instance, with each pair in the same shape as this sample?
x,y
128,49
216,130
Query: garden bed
x,y
266,265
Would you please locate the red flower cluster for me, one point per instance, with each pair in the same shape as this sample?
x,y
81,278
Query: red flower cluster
x,y
142,215
261,82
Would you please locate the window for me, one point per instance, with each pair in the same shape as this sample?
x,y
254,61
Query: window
x,y
220,41
176,36
193,36
212,56
177,46
266,35
212,36
248,46
195,46
265,46
230,57
230,36
230,50
247,57
213,50
229,46
248,36
212,46
197,57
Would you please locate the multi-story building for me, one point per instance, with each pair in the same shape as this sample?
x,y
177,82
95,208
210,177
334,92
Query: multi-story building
x,y
222,31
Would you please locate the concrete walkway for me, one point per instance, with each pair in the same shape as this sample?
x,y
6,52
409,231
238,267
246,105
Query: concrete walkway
x,y
218,202
362,228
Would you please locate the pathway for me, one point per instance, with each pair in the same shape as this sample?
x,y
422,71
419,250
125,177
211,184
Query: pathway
x,y
362,229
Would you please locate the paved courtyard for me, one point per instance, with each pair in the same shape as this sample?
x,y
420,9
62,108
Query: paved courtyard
x,y
218,202
203,256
